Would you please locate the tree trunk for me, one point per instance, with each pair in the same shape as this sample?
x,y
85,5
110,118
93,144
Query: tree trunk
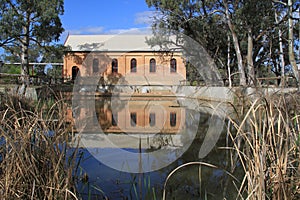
x,y
250,67
281,55
291,43
228,61
236,46
24,59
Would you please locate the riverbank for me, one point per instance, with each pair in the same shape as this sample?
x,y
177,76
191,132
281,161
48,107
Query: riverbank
x,y
219,94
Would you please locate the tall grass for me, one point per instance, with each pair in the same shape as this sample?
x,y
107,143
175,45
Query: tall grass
x,y
264,142
33,143
266,138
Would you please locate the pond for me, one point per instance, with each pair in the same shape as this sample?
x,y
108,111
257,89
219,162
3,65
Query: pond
x,y
149,147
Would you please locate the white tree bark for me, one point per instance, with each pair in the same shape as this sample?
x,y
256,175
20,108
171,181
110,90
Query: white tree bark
x,y
291,43
281,55
24,57
228,62
250,66
236,46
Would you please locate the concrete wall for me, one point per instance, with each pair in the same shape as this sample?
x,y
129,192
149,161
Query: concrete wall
x,y
205,93
220,94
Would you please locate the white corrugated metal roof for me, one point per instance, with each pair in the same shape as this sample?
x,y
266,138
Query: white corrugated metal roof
x,y
110,43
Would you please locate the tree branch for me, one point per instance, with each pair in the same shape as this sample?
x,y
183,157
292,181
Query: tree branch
x,y
13,7
280,2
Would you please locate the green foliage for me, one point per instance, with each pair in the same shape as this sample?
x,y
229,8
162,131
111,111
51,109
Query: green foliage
x,y
55,72
40,16
206,22
11,69
27,28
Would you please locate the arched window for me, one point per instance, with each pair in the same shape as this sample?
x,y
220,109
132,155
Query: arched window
x,y
173,119
133,65
152,119
173,65
152,65
95,65
133,119
114,65
75,71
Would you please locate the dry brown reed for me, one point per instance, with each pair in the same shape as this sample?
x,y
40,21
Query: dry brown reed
x,y
266,138
33,150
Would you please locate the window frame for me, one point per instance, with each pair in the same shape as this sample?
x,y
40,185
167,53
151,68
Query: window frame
x,y
133,69
133,119
95,65
114,68
173,119
173,65
152,119
152,65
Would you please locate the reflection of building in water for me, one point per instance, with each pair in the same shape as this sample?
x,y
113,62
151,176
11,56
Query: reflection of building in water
x,y
133,117
123,57
146,117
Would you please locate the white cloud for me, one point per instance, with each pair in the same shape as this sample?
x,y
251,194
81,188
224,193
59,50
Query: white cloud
x,y
101,30
146,30
87,30
145,17
94,30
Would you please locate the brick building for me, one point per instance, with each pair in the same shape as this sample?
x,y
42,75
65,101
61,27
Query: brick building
x,y
126,57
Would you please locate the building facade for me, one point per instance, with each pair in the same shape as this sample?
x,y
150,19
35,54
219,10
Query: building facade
x,y
122,59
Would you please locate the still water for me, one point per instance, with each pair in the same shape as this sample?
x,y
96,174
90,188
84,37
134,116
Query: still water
x,y
129,146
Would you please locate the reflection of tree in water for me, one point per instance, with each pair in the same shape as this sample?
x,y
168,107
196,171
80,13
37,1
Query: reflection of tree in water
x,y
187,133
203,182
161,140
104,105
185,183
101,109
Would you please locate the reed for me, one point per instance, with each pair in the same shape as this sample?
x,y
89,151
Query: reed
x,y
264,142
33,150
266,137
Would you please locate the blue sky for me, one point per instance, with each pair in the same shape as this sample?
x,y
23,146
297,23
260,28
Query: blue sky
x,y
104,16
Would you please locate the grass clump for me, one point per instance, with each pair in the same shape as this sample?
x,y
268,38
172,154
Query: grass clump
x,y
263,148
33,151
266,141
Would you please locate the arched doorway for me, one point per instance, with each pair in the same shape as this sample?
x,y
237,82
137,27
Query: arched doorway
x,y
75,71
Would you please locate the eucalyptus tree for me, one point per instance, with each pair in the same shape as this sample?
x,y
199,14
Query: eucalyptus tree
x,y
267,29
286,23
249,24
290,6
280,61
24,23
207,22
227,8
196,21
